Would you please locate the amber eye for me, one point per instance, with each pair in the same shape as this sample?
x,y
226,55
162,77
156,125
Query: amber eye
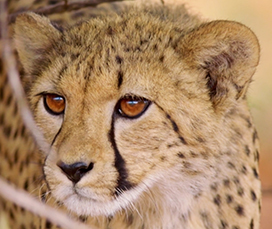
x,y
132,107
54,104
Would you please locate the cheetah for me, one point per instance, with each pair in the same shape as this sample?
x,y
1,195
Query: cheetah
x,y
146,115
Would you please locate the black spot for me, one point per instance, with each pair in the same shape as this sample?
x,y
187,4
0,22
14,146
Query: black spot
x,y
15,109
74,56
43,197
247,151
120,79
130,219
9,100
161,59
77,15
239,210
199,139
181,155
26,185
2,119
197,195
186,164
206,220
63,69
251,226
1,93
240,191
170,39
83,219
193,154
229,199
110,31
231,165
155,47
244,169
110,218
57,26
224,224
52,2
214,187
253,195
7,130
236,180
182,140
48,224
11,215
23,131
174,125
226,183
255,136
137,26
257,156
119,59
162,158
255,173
212,85
249,124
238,88
235,227
16,154
175,128
217,200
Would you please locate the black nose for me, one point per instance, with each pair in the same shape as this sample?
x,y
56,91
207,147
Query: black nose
x,y
75,171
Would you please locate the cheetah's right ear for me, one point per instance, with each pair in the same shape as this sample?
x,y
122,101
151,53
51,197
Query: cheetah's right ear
x,y
33,36
228,53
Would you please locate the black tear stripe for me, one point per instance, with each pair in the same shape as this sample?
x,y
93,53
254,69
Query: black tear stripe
x,y
122,183
56,137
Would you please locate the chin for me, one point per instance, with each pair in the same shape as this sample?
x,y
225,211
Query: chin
x,y
84,202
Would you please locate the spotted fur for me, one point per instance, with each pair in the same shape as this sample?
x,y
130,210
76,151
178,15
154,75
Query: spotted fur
x,y
190,160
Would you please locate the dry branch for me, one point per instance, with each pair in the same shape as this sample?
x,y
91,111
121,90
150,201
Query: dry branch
x,y
64,6
21,197
9,63
28,202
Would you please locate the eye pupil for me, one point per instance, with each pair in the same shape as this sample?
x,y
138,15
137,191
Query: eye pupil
x,y
54,104
130,107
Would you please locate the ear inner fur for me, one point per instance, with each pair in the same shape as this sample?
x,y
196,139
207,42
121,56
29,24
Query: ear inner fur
x,y
228,52
33,37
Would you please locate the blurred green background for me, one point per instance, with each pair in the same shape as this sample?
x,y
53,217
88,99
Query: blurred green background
x,y
258,16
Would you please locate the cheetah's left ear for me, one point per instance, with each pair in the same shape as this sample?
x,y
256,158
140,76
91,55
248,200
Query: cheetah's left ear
x,y
228,52
33,37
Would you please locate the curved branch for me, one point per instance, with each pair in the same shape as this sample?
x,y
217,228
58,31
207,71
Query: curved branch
x,y
28,202
62,7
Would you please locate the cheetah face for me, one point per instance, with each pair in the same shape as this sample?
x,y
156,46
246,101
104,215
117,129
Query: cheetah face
x,y
128,102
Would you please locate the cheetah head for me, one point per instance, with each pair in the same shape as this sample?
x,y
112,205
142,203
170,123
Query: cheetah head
x,y
132,103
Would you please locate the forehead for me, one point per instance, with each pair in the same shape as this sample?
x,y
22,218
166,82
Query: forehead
x,y
117,55
113,54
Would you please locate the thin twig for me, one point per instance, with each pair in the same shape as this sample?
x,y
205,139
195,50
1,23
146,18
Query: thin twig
x,y
63,7
14,79
28,202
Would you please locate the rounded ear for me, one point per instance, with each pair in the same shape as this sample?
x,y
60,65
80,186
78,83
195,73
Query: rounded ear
x,y
228,52
33,36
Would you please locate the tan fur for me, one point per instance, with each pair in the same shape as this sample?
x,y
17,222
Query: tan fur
x,y
192,157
